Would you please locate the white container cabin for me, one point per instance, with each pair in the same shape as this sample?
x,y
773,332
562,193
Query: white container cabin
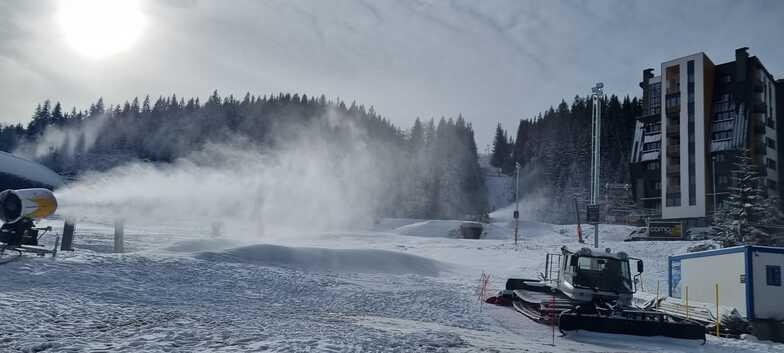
x,y
749,279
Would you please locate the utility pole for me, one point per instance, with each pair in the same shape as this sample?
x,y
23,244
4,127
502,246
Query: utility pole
x,y
517,201
596,125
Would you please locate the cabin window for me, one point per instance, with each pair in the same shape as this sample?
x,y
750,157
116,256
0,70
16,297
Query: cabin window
x,y
773,275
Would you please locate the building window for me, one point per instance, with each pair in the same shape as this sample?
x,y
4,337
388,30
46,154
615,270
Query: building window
x,y
653,166
770,142
722,135
771,184
652,128
651,146
773,275
771,164
724,116
673,101
723,179
657,186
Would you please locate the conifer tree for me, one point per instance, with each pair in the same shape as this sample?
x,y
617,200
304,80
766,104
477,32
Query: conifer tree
x,y
500,148
737,220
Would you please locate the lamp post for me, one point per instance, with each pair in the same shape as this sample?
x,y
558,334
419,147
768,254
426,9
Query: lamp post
x,y
517,201
596,127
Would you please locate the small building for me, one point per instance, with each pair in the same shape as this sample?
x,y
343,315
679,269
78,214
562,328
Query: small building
x,y
749,279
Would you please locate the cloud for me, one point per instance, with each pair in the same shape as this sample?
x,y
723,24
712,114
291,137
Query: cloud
x,y
490,60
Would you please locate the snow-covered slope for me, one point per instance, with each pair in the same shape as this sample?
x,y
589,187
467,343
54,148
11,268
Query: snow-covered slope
x,y
178,290
29,170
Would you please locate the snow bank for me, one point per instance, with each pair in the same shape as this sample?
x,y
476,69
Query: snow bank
x,y
26,169
451,229
434,228
390,224
327,260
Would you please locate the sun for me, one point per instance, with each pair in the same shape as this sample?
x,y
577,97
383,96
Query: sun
x,y
100,28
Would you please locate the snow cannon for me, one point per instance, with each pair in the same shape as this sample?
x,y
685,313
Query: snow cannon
x,y
26,203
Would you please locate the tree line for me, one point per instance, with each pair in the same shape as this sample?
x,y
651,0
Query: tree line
x,y
434,164
554,151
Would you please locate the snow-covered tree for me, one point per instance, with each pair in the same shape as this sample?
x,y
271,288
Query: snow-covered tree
x,y
739,218
501,150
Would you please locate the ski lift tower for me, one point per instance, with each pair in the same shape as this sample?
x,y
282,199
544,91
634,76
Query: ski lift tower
x,y
596,129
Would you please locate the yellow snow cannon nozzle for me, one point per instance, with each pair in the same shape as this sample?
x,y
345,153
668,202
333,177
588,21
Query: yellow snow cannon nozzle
x,y
26,203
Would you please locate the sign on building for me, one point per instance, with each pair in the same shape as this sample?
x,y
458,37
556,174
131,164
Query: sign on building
x,y
665,230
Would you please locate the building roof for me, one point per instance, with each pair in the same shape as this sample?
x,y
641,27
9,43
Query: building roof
x,y
730,250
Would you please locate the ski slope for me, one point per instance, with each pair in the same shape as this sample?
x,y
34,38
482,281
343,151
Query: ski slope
x,y
28,170
402,286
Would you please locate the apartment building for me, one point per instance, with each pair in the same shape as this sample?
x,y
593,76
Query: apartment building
x,y
696,116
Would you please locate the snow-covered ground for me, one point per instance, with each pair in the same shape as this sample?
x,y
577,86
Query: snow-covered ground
x,y
403,286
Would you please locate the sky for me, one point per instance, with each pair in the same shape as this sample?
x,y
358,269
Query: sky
x,y
491,61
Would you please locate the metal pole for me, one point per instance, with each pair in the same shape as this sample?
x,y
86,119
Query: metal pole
x,y
517,201
593,151
68,233
579,228
596,124
715,202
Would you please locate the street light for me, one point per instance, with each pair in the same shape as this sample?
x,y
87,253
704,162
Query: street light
x,y
597,93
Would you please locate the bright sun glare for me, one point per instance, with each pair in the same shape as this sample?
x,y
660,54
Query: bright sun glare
x,y
100,28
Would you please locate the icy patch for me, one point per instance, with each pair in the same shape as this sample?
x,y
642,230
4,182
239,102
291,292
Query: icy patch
x,y
328,260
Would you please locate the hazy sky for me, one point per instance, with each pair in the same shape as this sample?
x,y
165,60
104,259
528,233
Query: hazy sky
x,y
489,60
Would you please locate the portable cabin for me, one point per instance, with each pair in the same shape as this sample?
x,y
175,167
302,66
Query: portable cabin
x,y
749,279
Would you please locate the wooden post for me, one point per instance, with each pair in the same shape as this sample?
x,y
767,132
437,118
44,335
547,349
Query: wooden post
x,y
119,235
687,301
68,233
718,314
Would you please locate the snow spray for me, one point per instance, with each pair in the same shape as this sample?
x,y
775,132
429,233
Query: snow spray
x,y
308,184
